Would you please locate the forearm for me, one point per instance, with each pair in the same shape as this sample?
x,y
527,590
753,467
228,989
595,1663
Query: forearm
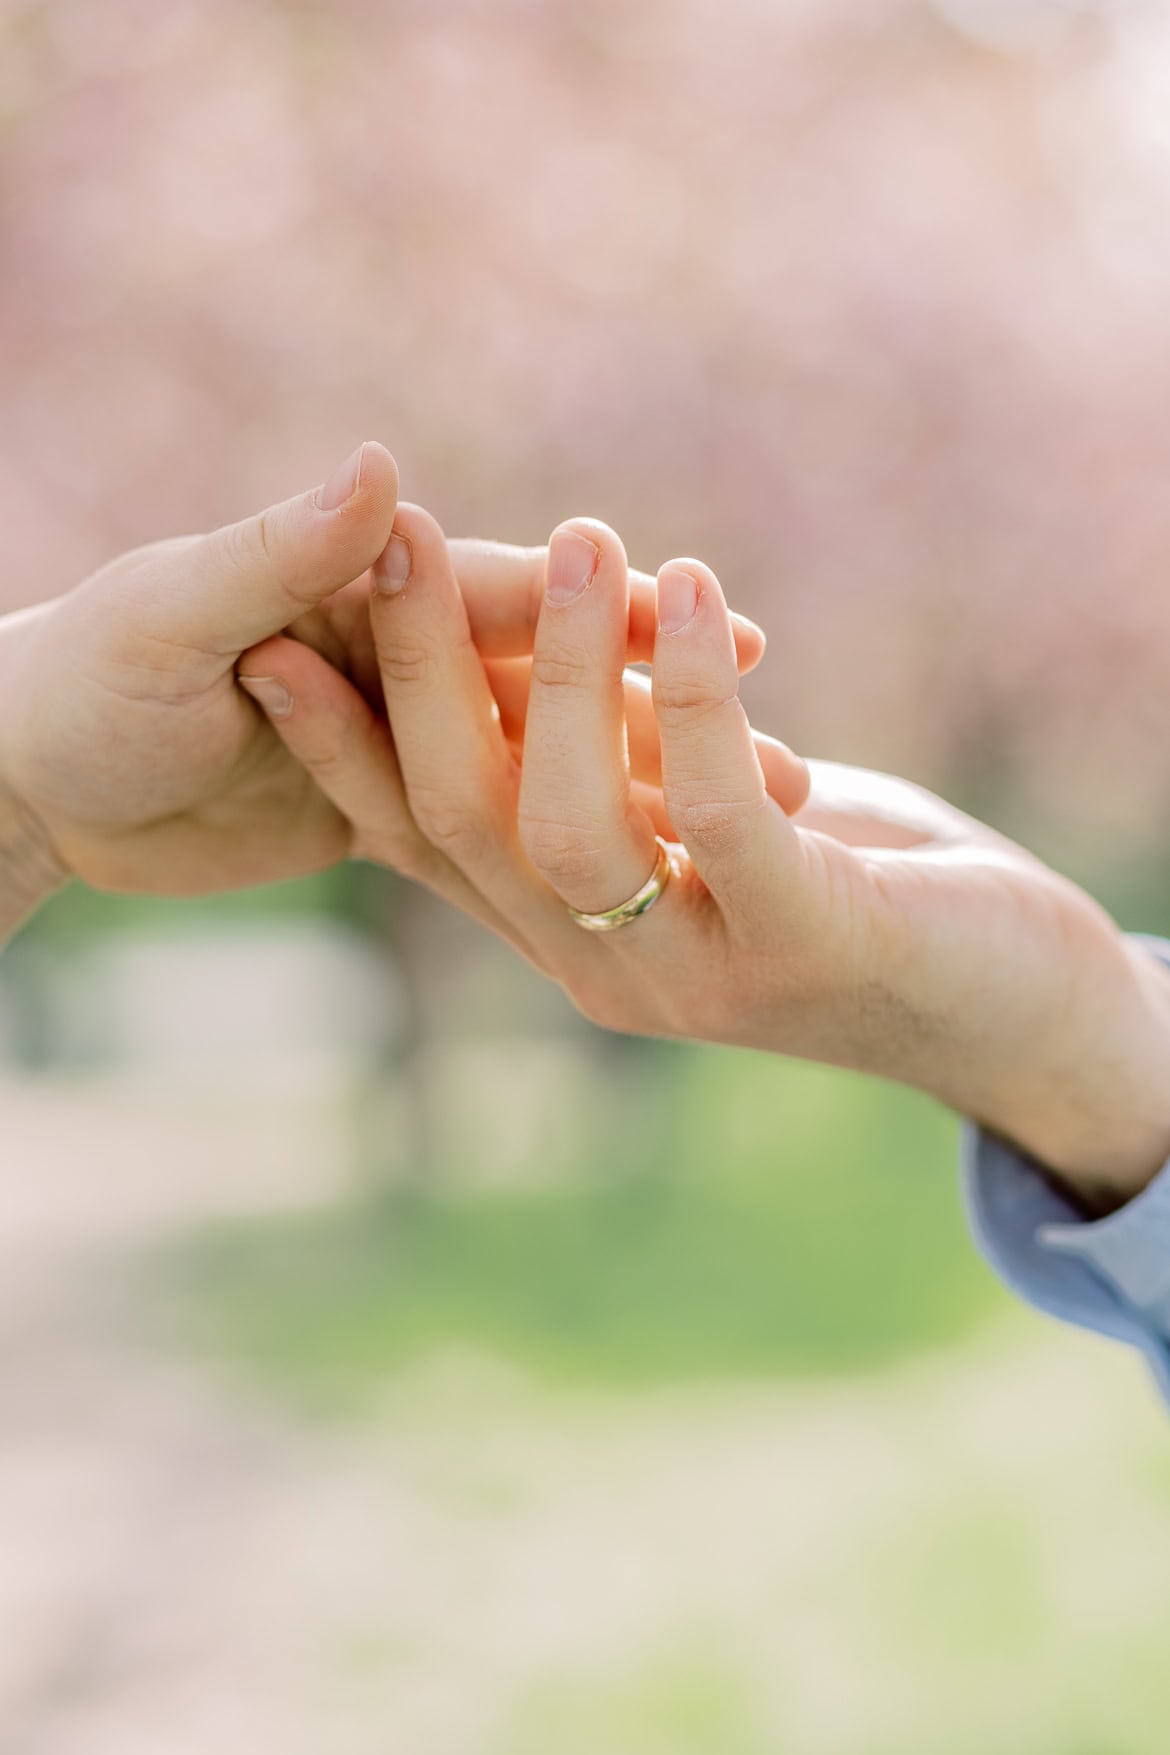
x,y
1106,1130
1000,987
1093,1108
1102,1264
1059,1039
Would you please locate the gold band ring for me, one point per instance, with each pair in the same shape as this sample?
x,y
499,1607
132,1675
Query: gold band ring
x,y
638,904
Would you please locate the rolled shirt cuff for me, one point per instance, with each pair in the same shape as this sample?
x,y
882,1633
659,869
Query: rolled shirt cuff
x,y
1111,1275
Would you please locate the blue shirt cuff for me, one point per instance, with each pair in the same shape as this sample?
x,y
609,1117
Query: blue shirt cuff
x,y
1111,1275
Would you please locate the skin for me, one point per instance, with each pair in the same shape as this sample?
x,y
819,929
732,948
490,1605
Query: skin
x,y
813,910
330,678
129,755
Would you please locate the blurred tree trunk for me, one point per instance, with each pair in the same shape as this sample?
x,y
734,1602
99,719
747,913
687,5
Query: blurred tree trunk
x,y
394,1140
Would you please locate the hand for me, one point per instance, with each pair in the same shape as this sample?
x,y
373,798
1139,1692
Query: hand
x,y
124,735
128,755
867,924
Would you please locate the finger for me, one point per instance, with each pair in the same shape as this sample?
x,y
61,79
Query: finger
x,y
503,587
323,721
339,629
742,845
508,679
786,776
459,774
252,579
577,823
327,725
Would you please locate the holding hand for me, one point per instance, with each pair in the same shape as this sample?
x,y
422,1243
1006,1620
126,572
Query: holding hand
x,y
863,923
124,736
129,756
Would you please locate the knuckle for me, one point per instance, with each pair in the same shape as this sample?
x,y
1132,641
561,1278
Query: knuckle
x,y
692,700
450,824
562,852
560,667
265,546
246,545
326,748
263,538
326,762
407,666
718,825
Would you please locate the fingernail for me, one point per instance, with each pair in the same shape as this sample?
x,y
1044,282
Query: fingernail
x,y
678,599
343,484
393,567
273,695
572,562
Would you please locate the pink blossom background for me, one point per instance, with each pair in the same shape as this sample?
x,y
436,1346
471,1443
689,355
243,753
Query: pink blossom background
x,y
865,301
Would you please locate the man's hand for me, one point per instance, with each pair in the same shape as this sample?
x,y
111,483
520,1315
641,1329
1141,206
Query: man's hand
x,y
29,868
125,741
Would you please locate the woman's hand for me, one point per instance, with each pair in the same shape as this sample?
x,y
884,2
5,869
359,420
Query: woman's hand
x,y
863,922
128,754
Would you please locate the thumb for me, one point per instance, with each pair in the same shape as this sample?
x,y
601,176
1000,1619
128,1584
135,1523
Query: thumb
x,y
249,580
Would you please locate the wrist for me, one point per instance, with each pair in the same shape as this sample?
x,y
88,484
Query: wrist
x,y
30,869
1025,1007
30,866
1098,1120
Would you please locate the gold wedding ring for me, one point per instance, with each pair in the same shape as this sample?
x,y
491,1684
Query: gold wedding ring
x,y
637,904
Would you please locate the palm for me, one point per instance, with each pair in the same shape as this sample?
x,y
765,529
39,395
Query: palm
x,y
245,814
190,790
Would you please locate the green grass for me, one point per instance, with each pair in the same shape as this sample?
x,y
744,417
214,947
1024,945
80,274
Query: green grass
x,y
78,915
731,1217
681,1702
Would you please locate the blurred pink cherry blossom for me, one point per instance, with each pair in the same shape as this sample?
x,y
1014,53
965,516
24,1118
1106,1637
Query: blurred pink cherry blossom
x,y
864,300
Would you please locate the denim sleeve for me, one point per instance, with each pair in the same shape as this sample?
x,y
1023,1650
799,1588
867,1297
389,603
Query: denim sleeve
x,y
1111,1275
